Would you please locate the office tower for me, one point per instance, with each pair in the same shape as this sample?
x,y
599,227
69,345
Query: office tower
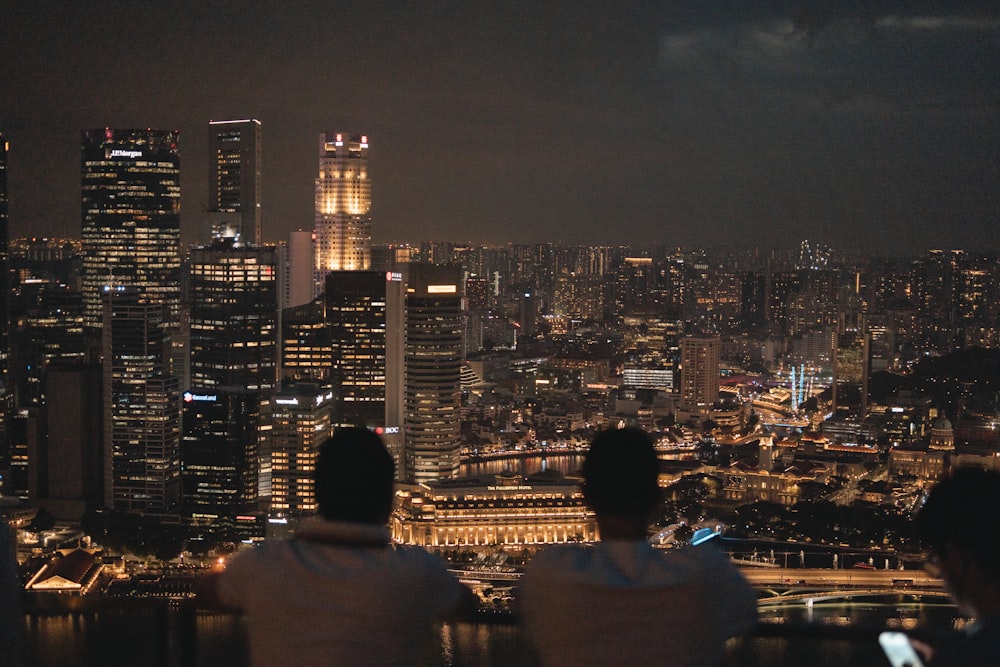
x,y
233,317
296,266
301,422
851,369
140,399
49,331
64,438
234,180
5,273
306,344
364,311
700,370
131,217
433,363
233,372
343,204
220,452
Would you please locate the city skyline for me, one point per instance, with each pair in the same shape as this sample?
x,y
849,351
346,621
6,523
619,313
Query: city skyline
x,y
739,123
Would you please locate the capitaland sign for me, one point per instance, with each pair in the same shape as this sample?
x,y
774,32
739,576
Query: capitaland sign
x,y
189,397
121,152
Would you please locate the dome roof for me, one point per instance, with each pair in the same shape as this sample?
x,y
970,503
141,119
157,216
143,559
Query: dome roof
x,y
941,424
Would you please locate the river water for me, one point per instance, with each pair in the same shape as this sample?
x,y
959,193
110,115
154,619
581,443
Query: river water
x,y
128,637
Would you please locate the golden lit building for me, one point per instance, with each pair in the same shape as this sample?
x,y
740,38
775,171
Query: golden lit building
x,y
343,204
502,510
301,422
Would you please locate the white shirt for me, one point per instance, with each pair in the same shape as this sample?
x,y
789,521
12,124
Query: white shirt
x,y
333,596
626,603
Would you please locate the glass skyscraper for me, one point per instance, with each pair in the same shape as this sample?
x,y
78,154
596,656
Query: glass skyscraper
x,y
141,416
433,363
131,217
364,311
233,372
234,180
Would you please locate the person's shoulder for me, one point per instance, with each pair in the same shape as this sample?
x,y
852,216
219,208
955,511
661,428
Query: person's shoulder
x,y
559,558
418,557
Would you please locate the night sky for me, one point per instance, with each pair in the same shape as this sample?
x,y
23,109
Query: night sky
x,y
863,124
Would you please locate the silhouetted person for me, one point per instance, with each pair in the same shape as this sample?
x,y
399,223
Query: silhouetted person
x,y
338,593
958,525
620,601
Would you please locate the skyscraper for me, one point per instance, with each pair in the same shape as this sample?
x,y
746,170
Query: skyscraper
x,y
364,311
5,282
7,380
234,180
301,424
233,372
131,217
700,370
343,204
234,317
433,363
141,418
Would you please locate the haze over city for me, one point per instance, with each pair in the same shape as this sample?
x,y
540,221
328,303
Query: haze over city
x,y
725,123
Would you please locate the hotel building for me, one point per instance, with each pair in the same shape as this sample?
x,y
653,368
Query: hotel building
x,y
501,510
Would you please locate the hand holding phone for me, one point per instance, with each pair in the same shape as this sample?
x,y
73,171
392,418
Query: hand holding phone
x,y
899,650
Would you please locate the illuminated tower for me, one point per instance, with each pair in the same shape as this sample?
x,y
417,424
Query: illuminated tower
x,y
141,419
343,204
234,180
301,423
131,217
433,363
5,277
699,370
234,317
364,313
233,372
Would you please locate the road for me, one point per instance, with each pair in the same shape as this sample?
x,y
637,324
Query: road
x,y
849,577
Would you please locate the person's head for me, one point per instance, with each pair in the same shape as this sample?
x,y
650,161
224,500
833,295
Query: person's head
x,y
620,474
958,527
354,476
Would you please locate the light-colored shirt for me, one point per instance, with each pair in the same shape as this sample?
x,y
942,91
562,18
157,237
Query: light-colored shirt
x,y
626,603
338,594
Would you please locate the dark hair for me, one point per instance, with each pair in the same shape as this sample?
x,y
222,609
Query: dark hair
x,y
354,476
620,473
961,513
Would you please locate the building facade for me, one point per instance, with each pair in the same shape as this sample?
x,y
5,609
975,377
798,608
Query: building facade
x,y
141,416
234,180
343,204
301,422
700,370
501,510
364,312
433,363
233,340
131,217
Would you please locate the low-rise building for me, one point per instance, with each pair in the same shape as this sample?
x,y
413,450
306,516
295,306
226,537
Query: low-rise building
x,y
503,510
